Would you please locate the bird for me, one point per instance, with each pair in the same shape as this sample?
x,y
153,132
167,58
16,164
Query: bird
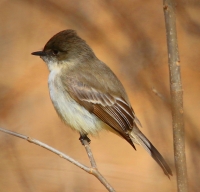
x,y
88,96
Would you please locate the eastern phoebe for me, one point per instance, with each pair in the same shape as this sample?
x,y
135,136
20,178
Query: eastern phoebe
x,y
87,95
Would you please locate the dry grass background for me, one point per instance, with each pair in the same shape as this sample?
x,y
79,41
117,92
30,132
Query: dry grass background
x,y
130,37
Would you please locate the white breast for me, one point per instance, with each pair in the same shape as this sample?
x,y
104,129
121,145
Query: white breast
x,y
69,110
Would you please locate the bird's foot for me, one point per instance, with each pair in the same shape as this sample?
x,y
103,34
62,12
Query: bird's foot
x,y
83,138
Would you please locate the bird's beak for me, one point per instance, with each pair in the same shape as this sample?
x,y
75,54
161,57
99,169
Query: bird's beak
x,y
39,53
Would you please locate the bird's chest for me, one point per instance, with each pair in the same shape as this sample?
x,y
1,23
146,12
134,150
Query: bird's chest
x,y
73,114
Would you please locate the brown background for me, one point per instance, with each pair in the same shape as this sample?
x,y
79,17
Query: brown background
x,y
130,37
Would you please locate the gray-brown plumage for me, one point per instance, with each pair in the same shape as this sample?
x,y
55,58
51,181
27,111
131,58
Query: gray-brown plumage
x,y
87,95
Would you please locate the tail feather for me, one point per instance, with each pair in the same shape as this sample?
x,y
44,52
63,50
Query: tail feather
x,y
139,138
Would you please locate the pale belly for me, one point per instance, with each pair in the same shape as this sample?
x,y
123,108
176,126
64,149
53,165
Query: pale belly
x,y
73,114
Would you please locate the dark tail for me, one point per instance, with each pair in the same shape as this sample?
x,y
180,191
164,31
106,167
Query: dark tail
x,y
139,138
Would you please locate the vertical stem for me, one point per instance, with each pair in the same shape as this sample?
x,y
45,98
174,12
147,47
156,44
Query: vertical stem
x,y
176,96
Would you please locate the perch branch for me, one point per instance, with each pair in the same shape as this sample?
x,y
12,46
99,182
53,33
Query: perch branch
x,y
92,170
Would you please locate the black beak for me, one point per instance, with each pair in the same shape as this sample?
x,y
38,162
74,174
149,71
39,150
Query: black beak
x,y
39,53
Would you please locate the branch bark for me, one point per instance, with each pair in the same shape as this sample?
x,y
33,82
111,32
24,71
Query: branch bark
x,y
92,170
176,96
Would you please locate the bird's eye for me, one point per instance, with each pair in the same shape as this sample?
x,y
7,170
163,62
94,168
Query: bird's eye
x,y
55,52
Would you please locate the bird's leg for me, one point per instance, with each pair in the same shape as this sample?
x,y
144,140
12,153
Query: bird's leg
x,y
83,138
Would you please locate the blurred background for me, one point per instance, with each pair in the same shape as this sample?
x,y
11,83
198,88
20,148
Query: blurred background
x,y
129,36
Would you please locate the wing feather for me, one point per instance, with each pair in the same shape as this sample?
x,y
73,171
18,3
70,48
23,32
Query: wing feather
x,y
112,110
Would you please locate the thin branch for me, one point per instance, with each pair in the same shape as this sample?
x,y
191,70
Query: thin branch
x,y
158,94
176,96
92,170
85,141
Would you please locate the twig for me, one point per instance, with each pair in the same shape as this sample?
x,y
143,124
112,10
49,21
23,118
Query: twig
x,y
92,170
176,96
158,93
